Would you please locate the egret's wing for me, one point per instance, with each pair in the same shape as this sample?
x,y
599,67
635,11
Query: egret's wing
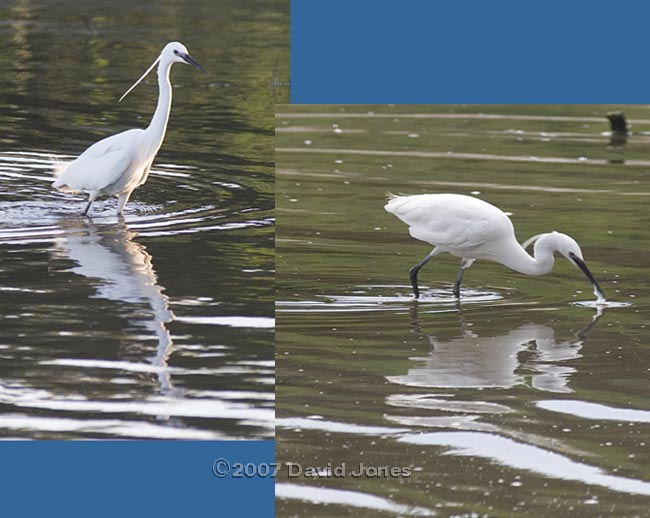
x,y
451,221
101,165
459,230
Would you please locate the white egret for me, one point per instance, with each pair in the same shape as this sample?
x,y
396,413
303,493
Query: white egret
x,y
116,165
473,229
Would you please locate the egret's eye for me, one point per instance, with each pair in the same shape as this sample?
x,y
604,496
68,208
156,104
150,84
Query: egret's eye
x,y
175,52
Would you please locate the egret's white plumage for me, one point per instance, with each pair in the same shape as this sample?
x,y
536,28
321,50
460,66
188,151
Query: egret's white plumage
x,y
473,229
118,164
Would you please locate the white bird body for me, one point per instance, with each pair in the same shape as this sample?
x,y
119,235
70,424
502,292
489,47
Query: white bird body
x,y
472,229
118,164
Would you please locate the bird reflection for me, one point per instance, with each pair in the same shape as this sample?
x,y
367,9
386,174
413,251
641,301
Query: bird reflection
x,y
110,254
473,361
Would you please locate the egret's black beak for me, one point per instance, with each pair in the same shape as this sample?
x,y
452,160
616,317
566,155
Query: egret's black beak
x,y
581,264
191,61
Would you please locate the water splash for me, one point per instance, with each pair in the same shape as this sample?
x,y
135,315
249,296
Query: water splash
x,y
386,298
601,304
36,213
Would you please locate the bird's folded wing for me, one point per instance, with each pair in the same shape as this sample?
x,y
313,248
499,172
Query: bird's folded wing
x,y
446,224
458,233
100,166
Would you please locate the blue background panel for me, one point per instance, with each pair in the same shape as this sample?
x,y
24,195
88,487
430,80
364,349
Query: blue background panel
x,y
132,478
469,51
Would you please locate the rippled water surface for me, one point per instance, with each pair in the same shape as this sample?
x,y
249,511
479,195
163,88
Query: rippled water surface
x,y
160,325
527,398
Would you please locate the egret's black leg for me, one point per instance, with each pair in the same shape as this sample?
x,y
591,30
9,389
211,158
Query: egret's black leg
x,y
459,279
87,207
414,274
464,263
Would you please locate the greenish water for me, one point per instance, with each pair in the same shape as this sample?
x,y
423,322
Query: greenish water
x,y
160,326
517,401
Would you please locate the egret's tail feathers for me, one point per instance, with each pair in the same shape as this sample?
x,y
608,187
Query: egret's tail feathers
x,y
58,169
394,202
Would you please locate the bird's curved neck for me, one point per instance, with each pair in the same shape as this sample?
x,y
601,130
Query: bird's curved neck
x,y
540,264
158,125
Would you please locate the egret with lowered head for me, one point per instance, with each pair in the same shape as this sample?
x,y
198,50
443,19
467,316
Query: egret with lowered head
x,y
473,229
116,165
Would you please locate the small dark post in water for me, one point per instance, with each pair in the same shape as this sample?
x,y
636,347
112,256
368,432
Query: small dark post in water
x,y
619,128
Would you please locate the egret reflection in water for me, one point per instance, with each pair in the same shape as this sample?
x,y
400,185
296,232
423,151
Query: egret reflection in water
x,y
109,254
85,330
474,361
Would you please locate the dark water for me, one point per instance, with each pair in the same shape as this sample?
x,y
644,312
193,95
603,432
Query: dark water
x,y
161,325
518,401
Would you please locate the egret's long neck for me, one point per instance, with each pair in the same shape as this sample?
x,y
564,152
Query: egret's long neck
x,y
519,260
158,125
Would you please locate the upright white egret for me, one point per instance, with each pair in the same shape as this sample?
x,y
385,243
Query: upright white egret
x,y
116,165
473,229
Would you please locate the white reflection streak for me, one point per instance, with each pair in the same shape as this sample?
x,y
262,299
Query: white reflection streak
x,y
110,255
354,499
597,411
501,450
524,456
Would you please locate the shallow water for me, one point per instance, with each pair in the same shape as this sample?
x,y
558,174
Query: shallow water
x,y
160,325
527,397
